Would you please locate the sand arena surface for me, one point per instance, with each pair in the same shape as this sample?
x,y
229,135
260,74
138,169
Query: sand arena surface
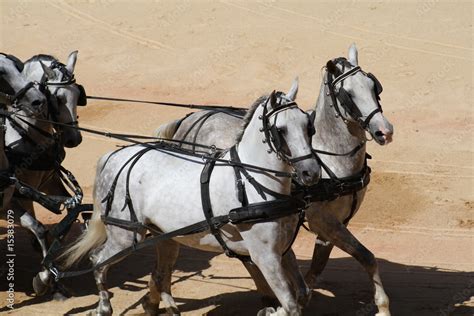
x,y
417,217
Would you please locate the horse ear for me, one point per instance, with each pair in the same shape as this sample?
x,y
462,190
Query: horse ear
x,y
293,90
71,61
331,67
272,99
312,116
353,55
48,71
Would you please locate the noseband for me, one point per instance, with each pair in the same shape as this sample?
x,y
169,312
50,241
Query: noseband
x,y
344,97
273,136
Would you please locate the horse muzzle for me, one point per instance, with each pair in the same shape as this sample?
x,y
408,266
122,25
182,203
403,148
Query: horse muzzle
x,y
307,173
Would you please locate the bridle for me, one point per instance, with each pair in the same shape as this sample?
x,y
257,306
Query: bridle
x,y
67,79
51,115
12,99
273,137
342,97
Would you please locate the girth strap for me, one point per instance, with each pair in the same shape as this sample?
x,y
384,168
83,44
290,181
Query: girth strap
x,y
207,209
265,211
353,209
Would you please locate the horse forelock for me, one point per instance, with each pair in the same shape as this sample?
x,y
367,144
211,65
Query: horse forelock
x,y
343,62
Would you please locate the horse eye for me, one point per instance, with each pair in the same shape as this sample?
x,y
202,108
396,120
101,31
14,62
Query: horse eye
x,y
282,130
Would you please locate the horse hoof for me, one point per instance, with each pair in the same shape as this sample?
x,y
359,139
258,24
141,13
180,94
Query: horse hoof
x,y
39,286
266,311
98,312
151,309
59,297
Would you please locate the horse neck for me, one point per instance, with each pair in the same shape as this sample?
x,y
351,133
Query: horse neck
x,y
13,78
336,136
252,151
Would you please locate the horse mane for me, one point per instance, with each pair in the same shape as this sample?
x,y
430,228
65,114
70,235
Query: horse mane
x,y
343,61
36,58
42,57
248,117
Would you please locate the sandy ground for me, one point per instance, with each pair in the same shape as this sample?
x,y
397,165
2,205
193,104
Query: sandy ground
x,y
418,215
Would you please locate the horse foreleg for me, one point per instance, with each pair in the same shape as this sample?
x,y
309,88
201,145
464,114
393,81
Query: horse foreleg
x,y
291,267
160,280
322,251
42,281
268,297
270,264
338,234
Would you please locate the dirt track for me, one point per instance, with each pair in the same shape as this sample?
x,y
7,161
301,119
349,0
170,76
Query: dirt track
x,y
418,215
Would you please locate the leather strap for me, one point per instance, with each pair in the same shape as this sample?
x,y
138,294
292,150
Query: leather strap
x,y
213,224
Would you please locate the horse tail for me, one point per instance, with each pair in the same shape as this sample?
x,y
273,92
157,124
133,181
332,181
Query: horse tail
x,y
93,237
167,130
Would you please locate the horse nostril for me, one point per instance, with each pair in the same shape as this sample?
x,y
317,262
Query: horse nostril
x,y
379,133
305,174
36,103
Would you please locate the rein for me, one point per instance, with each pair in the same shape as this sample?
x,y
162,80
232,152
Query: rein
x,y
161,145
173,104
283,205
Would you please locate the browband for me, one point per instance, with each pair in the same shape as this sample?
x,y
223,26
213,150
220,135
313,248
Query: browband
x,y
345,75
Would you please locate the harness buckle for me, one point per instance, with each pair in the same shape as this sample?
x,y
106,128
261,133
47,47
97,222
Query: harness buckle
x,y
54,271
212,149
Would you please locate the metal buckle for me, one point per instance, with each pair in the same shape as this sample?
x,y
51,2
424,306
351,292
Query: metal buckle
x,y
54,271
212,149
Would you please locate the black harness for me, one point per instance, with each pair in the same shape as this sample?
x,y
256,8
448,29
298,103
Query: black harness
x,y
334,187
11,99
342,97
67,79
50,154
282,205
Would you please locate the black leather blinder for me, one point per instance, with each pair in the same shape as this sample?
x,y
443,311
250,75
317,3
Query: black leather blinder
x,y
347,103
276,137
311,129
377,85
82,101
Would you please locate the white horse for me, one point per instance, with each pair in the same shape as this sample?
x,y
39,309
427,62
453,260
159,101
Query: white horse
x,y
341,124
14,88
166,191
36,145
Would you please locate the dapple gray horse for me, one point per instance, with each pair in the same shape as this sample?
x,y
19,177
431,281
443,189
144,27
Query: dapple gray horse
x,y
159,181
338,130
35,144
26,97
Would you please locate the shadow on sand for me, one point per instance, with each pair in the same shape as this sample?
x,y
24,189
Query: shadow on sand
x,y
343,289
